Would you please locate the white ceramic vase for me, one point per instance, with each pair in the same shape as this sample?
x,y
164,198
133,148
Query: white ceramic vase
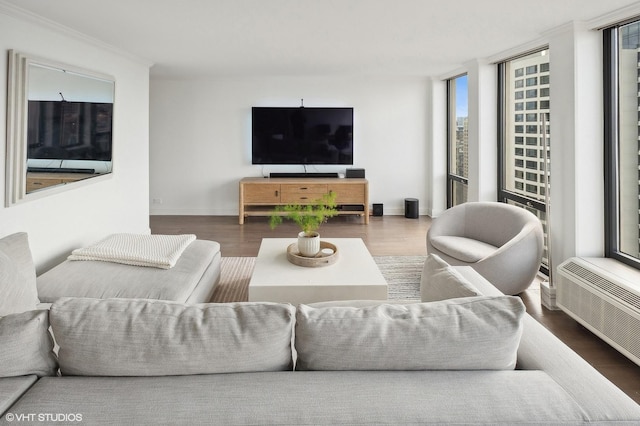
x,y
308,244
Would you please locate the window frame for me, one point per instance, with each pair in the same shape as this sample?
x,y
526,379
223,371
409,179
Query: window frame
x,y
452,178
611,96
505,195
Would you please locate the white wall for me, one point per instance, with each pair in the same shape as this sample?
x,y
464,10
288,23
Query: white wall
x,y
437,147
577,143
58,223
200,137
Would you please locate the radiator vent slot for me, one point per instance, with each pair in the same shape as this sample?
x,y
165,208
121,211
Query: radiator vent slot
x,y
605,303
604,284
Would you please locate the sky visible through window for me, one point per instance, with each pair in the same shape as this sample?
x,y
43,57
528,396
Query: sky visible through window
x,y
462,97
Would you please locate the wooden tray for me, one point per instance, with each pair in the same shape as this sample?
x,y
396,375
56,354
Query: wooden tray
x,y
321,259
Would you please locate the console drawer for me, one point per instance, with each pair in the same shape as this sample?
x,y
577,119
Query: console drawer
x,y
300,197
304,188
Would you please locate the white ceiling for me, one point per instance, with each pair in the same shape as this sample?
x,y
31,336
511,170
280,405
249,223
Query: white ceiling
x,y
302,37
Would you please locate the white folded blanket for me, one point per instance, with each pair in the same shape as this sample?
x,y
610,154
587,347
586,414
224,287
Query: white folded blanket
x,y
159,251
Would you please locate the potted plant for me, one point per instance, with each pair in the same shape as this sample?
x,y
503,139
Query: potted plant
x,y
308,217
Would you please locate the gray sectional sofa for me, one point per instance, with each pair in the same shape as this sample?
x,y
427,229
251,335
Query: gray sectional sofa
x,y
465,355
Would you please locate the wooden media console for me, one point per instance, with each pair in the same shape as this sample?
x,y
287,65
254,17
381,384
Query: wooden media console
x,y
259,196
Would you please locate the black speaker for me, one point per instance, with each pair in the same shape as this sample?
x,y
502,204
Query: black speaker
x,y
378,209
355,173
411,208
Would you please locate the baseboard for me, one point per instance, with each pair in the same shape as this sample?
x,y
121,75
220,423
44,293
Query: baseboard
x,y
192,212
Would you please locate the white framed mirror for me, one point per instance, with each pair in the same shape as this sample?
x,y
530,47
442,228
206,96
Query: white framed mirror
x,y
59,127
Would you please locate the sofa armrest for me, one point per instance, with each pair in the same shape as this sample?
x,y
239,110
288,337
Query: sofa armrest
x,y
602,400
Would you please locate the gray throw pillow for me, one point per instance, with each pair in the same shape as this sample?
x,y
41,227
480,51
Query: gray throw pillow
x,y
17,275
439,281
26,347
474,333
137,337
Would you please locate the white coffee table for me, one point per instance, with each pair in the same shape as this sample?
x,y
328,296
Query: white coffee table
x,y
354,275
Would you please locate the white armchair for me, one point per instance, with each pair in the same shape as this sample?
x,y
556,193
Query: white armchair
x,y
503,243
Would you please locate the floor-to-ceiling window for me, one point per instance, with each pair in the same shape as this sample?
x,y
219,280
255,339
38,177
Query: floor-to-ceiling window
x,y
524,135
457,140
622,142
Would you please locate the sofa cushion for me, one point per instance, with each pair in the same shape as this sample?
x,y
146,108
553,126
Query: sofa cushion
x,y
12,388
130,337
26,347
439,281
17,275
461,334
311,398
464,249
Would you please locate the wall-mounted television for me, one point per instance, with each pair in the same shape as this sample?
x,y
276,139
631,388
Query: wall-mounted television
x,y
301,135
61,132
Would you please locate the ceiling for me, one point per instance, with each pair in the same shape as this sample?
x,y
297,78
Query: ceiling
x,y
189,38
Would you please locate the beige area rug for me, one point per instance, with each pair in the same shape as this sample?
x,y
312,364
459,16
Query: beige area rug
x,y
401,272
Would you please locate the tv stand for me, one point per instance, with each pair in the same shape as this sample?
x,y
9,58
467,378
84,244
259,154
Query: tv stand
x,y
259,196
304,175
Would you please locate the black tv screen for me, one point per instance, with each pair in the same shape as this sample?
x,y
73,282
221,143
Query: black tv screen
x,y
301,135
64,130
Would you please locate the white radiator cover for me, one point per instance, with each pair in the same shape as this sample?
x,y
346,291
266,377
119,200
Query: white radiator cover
x,y
603,295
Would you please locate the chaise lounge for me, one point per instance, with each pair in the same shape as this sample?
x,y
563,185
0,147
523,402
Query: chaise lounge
x,y
191,280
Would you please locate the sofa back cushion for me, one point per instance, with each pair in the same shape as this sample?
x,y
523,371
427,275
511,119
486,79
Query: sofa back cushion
x,y
26,347
135,337
474,333
17,275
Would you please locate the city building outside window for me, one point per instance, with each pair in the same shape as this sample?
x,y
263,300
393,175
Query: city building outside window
x,y
457,141
524,173
622,142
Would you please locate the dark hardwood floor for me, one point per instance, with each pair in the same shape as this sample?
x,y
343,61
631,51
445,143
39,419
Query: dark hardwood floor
x,y
396,235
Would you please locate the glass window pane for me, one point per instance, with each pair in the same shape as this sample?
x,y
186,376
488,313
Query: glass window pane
x,y
628,140
459,193
523,174
458,144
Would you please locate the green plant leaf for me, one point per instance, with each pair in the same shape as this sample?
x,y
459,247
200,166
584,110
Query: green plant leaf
x,y
308,217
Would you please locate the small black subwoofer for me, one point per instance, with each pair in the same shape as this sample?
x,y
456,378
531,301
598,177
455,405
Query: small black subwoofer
x,y
378,209
411,208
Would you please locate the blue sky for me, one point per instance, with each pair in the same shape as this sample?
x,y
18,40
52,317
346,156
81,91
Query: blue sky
x,y
462,97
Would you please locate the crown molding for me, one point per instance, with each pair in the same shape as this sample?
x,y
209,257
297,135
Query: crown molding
x,y
520,50
615,17
452,74
25,15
